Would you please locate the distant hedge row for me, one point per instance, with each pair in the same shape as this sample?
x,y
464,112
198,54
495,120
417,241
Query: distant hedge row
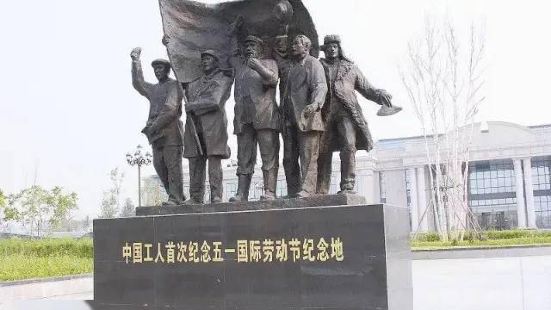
x,y
490,235
82,248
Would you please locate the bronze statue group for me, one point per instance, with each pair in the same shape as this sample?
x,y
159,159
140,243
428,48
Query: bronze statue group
x,y
318,114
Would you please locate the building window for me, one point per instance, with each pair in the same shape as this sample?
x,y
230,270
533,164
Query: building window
x,y
492,193
257,188
408,178
541,179
230,189
542,205
408,188
540,173
281,188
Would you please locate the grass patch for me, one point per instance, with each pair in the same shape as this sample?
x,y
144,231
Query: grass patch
x,y
27,259
20,267
494,239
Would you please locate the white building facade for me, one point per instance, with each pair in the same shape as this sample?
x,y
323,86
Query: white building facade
x,y
509,183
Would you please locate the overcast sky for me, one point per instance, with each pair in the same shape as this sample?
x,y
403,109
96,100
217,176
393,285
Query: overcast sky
x,y
69,114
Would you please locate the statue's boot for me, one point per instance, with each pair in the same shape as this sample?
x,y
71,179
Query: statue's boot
x,y
215,194
270,183
216,200
170,203
193,201
243,186
348,173
304,194
216,188
196,188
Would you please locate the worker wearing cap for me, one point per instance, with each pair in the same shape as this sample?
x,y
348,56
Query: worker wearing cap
x,y
257,120
164,129
346,128
206,135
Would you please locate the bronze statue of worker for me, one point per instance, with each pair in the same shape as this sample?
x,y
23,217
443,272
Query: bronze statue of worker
x,y
205,135
164,129
304,97
346,129
257,120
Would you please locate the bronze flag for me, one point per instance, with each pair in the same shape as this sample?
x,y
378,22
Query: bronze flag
x,y
193,26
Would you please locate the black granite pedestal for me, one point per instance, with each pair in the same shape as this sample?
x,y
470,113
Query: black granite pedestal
x,y
294,255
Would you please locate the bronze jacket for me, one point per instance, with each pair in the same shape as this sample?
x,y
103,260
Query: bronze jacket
x,y
164,127
306,85
348,80
255,101
206,97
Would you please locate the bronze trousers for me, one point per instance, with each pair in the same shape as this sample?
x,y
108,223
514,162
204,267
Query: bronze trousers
x,y
247,141
197,177
300,159
167,161
345,132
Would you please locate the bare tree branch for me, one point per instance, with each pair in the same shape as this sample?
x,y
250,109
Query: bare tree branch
x,y
444,81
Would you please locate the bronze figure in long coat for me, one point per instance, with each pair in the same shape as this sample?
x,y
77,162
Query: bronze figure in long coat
x,y
205,135
346,127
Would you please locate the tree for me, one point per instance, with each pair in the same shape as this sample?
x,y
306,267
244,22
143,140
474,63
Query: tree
x,y
3,202
444,80
2,199
110,204
128,209
61,205
40,209
153,192
86,223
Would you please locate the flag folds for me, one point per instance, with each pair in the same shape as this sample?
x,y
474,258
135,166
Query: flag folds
x,y
192,27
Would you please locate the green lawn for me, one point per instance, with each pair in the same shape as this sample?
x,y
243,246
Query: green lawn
x,y
493,239
27,259
19,267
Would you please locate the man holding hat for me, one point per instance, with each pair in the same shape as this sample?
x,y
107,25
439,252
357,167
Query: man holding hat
x,y
304,97
346,128
164,128
257,119
205,135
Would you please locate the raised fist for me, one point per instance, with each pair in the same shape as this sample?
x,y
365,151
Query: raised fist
x,y
136,52
253,63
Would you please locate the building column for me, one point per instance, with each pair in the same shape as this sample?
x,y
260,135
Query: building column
x,y
422,200
396,187
376,187
519,180
414,207
366,180
529,193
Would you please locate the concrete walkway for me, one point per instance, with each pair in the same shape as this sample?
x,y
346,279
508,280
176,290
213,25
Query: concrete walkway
x,y
67,288
487,283
504,283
